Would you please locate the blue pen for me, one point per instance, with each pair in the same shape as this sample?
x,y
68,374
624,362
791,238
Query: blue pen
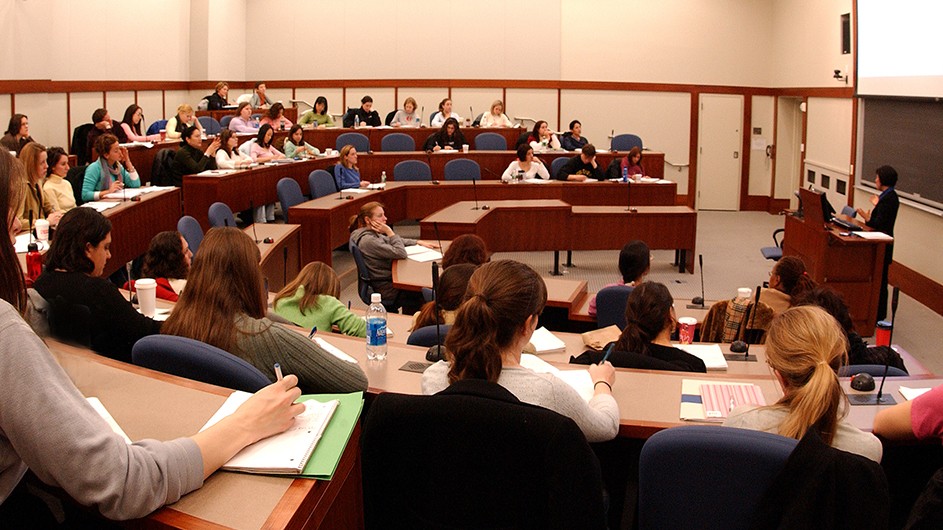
x,y
605,357
313,331
278,372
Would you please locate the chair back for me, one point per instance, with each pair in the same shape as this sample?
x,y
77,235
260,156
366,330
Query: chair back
x,y
477,121
224,122
610,305
80,142
348,119
360,142
162,167
210,125
197,360
427,294
68,322
191,230
156,127
462,169
556,164
876,370
426,336
363,275
490,141
625,142
489,439
849,211
432,117
724,473
389,118
412,170
244,98
220,215
321,183
76,178
397,142
289,194
246,147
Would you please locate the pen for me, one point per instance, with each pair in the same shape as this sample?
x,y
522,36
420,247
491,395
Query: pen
x,y
348,305
732,404
278,372
605,357
314,329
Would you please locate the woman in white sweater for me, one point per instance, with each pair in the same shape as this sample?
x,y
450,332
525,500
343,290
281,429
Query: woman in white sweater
x,y
228,156
503,301
527,164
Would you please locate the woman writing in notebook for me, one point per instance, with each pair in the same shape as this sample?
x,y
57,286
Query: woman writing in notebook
x,y
630,165
449,137
408,116
233,319
496,116
805,347
502,305
296,146
49,428
311,301
317,116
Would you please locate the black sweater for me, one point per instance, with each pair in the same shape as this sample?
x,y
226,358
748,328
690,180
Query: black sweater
x,y
575,166
188,161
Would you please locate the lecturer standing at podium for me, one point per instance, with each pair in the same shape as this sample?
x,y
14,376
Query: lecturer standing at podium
x,y
882,218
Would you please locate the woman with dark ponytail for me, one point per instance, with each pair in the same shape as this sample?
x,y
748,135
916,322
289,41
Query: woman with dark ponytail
x,y
646,340
502,304
805,347
787,280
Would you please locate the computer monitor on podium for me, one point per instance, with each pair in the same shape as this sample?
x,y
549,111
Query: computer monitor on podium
x,y
813,207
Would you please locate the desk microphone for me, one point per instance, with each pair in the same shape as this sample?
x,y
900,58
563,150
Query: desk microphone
x,y
436,352
475,191
743,346
435,226
422,112
698,301
628,198
880,398
255,236
471,115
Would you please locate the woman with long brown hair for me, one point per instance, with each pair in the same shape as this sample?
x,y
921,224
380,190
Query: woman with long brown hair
x,y
805,347
466,248
232,317
35,204
311,301
47,426
502,305
449,295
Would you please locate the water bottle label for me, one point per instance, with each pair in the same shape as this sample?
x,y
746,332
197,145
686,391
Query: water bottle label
x,y
376,332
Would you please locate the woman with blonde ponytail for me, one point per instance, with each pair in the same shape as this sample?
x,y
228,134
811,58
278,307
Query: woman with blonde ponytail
x,y
805,347
502,304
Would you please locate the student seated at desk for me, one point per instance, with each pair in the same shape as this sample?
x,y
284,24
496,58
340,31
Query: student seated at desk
x,y
346,172
581,167
49,428
573,140
646,340
17,134
466,248
445,112
496,116
35,203
448,137
179,123
805,348
74,266
233,318
407,117
635,261
102,124
449,295
295,145
311,301
502,305
56,189
317,116
111,172
167,261
276,118
526,163
131,124
219,98
630,165
259,100
190,157
368,117
243,122
228,156
787,279
541,139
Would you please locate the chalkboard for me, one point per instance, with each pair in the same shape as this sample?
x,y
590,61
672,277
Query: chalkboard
x,y
908,135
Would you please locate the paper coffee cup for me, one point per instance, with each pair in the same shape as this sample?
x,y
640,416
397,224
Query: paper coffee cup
x,y
744,292
42,229
464,148
686,326
147,296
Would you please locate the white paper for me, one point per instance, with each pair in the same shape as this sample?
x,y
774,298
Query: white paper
x,y
215,172
711,354
912,393
100,206
142,144
109,419
125,193
422,254
536,181
578,379
355,190
874,236
334,350
160,314
22,243
546,342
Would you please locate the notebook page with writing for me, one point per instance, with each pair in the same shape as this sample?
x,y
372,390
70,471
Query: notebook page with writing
x,y
580,380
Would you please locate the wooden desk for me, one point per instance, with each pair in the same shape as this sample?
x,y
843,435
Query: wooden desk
x,y
135,223
149,404
850,265
290,112
862,416
281,259
327,136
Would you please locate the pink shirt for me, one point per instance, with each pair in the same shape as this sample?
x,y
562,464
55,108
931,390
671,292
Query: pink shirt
x,y
926,415
276,125
257,150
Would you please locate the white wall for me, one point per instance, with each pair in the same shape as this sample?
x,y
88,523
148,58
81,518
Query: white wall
x,y
806,43
761,166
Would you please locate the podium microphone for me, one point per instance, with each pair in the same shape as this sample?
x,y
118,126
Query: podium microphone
x,y
698,301
436,352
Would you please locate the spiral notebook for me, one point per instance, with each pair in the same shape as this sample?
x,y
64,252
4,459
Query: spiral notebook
x,y
285,453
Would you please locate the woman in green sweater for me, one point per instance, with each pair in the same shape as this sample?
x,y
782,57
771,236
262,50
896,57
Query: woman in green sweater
x,y
310,301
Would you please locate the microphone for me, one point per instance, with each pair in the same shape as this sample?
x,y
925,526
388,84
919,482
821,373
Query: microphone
x,y
743,346
422,112
628,198
127,269
880,398
435,225
698,301
255,236
436,352
492,173
475,191
471,115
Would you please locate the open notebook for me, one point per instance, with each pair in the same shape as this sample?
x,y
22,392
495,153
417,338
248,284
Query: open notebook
x,y
579,379
712,401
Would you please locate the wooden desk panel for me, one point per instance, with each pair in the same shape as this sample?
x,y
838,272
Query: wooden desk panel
x,y
135,223
290,112
327,136
548,218
281,259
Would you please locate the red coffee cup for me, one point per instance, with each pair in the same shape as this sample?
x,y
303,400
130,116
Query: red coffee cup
x,y
686,327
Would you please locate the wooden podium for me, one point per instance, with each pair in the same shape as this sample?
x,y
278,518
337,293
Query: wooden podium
x,y
849,264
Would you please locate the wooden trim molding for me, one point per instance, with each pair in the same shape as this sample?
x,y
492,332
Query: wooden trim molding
x,y
917,286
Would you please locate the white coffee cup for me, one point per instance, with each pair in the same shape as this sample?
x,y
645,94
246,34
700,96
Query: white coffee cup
x,y
744,292
42,229
464,148
147,296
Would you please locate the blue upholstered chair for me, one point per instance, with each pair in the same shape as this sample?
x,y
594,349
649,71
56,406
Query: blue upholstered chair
x,y
210,125
411,170
426,336
191,230
364,280
610,305
321,183
556,165
289,194
707,477
876,370
220,215
156,127
774,253
490,142
462,169
397,142
197,360
360,142
625,142
224,122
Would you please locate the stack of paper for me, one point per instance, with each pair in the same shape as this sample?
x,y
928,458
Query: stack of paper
x,y
580,380
334,350
874,236
912,393
422,254
711,354
543,341
100,206
711,401
23,240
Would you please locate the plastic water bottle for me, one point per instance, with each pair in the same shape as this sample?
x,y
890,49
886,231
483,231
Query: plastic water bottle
x,y
625,173
383,178
356,121
376,329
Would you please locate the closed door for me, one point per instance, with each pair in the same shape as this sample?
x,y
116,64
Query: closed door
x,y
788,149
719,141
